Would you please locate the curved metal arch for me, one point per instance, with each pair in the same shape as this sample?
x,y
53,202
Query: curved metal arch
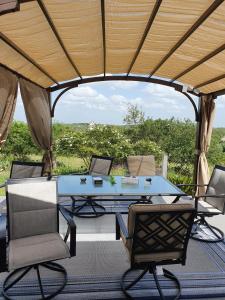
x,y
73,84
57,99
194,106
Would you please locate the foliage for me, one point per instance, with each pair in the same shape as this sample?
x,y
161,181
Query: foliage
x,y
146,147
216,154
177,178
97,139
134,115
139,137
19,143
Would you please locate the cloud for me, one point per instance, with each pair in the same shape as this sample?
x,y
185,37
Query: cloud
x,y
125,85
87,97
167,96
19,99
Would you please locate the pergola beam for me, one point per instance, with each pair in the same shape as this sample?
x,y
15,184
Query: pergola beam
x,y
75,83
200,62
51,24
26,56
147,28
20,75
218,93
190,31
9,6
103,35
210,81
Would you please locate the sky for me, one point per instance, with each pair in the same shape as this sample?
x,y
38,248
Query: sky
x,y
107,103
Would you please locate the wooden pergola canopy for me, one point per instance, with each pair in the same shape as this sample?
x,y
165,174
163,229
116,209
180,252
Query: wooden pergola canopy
x,y
173,41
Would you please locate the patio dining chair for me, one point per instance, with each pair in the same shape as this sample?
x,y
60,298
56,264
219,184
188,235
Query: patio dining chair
x,y
155,235
99,166
34,241
210,204
22,169
145,165
141,165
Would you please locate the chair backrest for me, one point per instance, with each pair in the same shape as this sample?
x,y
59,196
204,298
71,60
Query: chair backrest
x,y
216,186
159,232
21,169
141,165
100,165
31,207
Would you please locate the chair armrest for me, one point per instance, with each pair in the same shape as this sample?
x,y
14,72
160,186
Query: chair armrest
x,y
120,226
71,230
210,196
3,244
190,184
197,198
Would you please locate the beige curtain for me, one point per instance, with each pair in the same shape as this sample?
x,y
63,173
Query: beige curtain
x,y
207,116
8,94
37,107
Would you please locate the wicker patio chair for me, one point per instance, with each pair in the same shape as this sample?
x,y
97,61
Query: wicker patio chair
x,y
99,166
34,241
210,204
155,235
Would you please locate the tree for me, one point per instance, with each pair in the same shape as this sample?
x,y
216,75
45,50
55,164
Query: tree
x,y
134,115
19,143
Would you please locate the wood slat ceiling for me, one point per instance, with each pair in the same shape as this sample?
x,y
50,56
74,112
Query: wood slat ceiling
x,y
53,41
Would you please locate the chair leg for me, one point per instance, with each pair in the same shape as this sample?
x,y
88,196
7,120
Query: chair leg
x,y
95,210
122,282
7,285
152,270
219,235
171,276
39,281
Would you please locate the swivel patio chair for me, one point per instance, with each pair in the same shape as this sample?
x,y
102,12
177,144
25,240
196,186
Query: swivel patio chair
x,y
21,169
155,235
210,204
34,241
141,165
99,166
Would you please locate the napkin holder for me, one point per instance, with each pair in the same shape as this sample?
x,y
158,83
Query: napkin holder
x,y
129,180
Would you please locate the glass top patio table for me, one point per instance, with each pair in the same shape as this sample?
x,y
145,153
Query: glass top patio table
x,y
71,185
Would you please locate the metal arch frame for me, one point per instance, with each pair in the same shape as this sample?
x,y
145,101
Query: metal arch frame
x,y
70,85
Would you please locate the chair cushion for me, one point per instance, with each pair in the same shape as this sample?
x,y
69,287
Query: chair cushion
x,y
157,257
36,249
203,206
34,203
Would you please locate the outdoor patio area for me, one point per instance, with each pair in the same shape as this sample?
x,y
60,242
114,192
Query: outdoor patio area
x,y
95,272
157,176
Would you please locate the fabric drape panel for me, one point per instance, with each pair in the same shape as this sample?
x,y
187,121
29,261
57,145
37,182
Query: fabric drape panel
x,y
207,117
8,94
37,107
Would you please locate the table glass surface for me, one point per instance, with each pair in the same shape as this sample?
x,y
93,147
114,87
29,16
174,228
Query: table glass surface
x,y
70,185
